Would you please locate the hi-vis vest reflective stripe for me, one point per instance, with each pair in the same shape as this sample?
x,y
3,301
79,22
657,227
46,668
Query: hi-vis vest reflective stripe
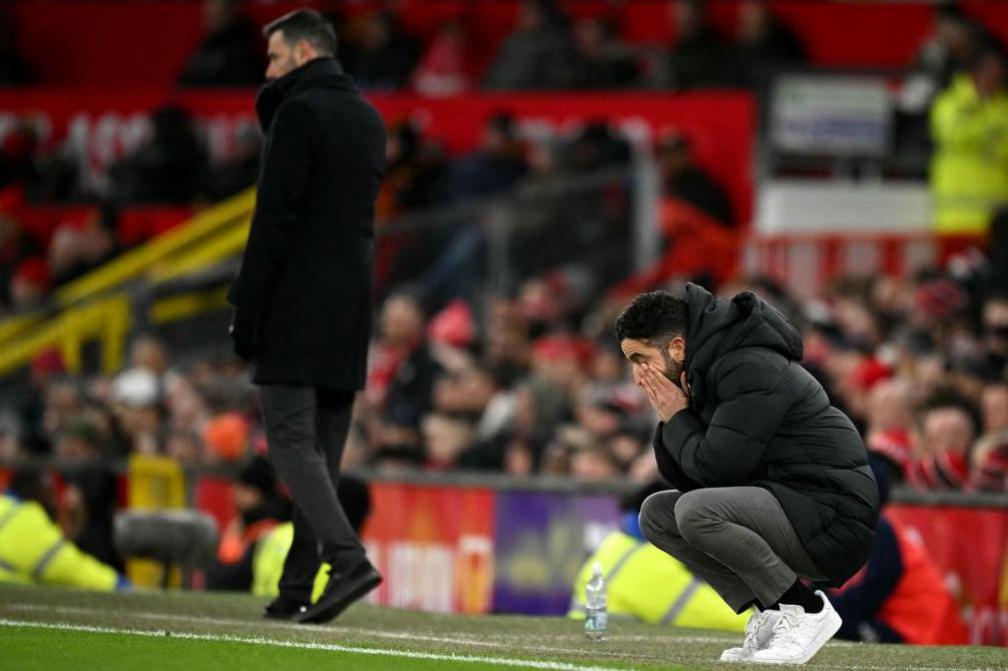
x,y
33,549
268,560
645,583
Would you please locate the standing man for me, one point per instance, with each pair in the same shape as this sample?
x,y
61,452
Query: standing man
x,y
302,298
772,482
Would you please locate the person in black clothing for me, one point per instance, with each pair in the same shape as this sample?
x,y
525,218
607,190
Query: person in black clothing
x,y
171,167
683,179
771,482
302,297
228,54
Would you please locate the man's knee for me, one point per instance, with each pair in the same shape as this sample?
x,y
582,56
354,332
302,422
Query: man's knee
x,y
657,519
693,514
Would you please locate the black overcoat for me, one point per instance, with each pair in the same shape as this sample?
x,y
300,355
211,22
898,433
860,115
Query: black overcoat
x,y
758,418
303,293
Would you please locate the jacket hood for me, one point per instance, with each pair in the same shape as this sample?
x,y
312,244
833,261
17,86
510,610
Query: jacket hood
x,y
719,325
319,73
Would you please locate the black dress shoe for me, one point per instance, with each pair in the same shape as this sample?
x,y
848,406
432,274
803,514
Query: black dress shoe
x,y
341,590
282,608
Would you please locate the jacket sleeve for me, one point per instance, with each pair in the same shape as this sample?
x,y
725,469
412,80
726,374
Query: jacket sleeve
x,y
280,201
750,408
668,468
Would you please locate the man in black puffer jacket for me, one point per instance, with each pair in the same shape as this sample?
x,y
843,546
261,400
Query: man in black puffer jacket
x,y
772,483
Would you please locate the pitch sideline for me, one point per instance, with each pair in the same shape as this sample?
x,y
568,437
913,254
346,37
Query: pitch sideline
x,y
306,645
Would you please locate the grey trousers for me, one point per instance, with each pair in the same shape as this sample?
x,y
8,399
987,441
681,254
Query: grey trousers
x,y
306,429
737,539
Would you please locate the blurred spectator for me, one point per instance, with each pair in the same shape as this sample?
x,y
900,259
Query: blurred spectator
x,y
682,178
32,547
30,284
947,52
75,251
990,454
260,508
947,428
148,352
402,373
18,155
242,170
379,55
698,57
601,59
763,45
494,167
969,126
90,497
229,53
890,420
137,403
14,71
538,54
995,329
444,68
171,167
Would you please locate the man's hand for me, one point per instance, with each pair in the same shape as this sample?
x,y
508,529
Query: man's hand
x,y
666,398
244,332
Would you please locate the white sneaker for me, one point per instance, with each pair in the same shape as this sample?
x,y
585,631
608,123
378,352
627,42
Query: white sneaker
x,y
798,635
759,631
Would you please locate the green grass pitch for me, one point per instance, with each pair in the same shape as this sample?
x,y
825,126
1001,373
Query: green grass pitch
x,y
47,628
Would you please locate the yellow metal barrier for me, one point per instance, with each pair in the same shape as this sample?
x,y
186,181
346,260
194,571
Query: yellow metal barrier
x,y
213,236
180,240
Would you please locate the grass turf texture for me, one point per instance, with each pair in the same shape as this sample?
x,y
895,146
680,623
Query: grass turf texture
x,y
62,629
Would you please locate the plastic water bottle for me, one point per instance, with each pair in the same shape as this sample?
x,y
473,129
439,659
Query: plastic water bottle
x,y
596,616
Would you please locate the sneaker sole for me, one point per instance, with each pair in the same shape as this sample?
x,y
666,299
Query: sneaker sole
x,y
825,634
735,657
321,614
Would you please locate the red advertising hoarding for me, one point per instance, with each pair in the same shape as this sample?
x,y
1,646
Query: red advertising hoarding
x,y
433,545
969,546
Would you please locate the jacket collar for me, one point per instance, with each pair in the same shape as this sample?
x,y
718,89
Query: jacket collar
x,y
315,74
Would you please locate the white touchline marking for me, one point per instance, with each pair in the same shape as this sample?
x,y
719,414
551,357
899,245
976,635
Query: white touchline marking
x,y
78,610
270,624
306,645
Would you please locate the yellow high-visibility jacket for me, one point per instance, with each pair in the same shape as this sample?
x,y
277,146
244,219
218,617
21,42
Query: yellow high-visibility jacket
x,y
33,550
969,169
268,560
645,583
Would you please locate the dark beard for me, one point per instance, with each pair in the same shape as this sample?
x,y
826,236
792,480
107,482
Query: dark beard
x,y
673,369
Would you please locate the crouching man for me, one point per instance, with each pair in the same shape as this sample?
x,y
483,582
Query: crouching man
x,y
772,483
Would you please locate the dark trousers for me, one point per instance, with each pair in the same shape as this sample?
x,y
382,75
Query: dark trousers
x,y
306,429
737,539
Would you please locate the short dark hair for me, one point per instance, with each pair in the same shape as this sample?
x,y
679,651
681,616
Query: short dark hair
x,y
655,315
305,24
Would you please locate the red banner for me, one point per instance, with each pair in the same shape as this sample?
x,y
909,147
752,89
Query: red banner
x,y
433,545
101,127
969,546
